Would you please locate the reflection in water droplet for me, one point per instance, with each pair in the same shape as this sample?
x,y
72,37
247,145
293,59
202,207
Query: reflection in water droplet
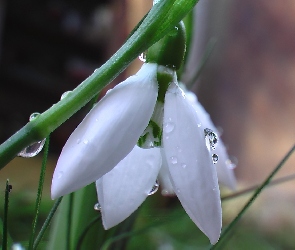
x,y
211,137
215,158
142,57
32,150
169,127
65,94
173,160
154,188
97,207
33,116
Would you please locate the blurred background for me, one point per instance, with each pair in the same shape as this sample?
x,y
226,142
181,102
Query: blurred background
x,y
247,85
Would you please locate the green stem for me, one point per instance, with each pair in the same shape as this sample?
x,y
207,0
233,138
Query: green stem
x,y
159,21
46,223
253,198
251,189
39,193
83,234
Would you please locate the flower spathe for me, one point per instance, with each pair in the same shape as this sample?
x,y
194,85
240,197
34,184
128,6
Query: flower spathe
x,y
126,176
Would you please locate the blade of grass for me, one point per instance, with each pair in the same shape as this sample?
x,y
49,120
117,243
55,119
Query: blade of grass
x,y
46,223
253,198
39,192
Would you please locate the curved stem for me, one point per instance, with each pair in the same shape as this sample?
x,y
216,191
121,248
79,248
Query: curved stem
x,y
159,21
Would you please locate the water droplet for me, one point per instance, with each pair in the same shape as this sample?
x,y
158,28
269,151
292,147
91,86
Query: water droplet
x,y
173,159
65,94
60,174
142,57
78,141
178,190
167,137
199,125
97,207
154,188
85,141
211,137
215,158
183,165
179,149
169,127
164,192
33,116
32,150
155,2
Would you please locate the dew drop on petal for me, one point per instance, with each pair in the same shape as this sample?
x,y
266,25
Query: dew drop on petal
x,y
154,188
97,207
33,116
211,137
183,165
215,158
65,94
32,150
168,127
199,125
173,160
85,141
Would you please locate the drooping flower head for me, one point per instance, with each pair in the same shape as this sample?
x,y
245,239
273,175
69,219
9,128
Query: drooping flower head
x,y
144,128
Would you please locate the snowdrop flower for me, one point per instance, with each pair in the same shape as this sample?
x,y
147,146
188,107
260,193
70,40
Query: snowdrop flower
x,y
143,128
103,147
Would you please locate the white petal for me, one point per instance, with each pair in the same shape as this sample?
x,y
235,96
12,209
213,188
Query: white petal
x,y
224,166
122,190
190,164
108,133
164,177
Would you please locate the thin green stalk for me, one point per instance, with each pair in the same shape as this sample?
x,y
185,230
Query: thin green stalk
x,y
5,221
251,189
39,192
253,198
159,21
83,234
46,223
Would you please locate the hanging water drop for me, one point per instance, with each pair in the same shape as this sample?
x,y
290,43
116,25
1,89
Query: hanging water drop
x,y
154,188
32,150
65,94
142,57
35,148
97,207
211,137
215,158
168,127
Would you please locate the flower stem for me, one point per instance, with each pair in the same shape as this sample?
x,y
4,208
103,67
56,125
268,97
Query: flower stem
x,y
46,223
253,198
159,21
39,193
